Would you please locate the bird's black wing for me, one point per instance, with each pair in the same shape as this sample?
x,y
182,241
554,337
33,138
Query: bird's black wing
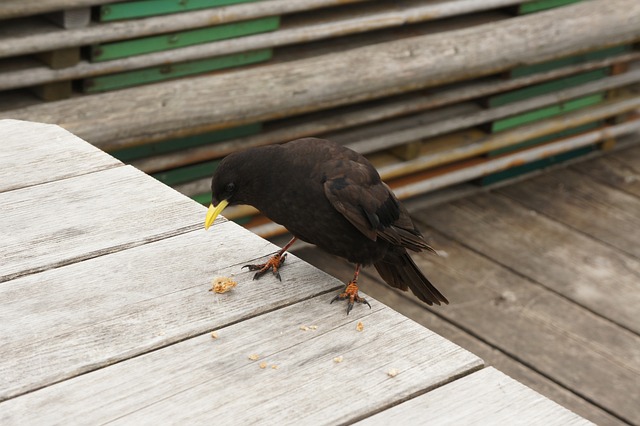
x,y
370,205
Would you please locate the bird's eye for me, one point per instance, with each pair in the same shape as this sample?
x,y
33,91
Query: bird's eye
x,y
230,188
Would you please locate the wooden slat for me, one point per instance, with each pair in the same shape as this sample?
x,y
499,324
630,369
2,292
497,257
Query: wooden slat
x,y
17,8
139,299
335,25
619,170
525,317
366,73
337,119
597,210
20,39
34,153
485,397
576,266
69,220
205,380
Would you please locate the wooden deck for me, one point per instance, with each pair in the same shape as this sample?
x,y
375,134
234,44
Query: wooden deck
x,y
107,318
544,281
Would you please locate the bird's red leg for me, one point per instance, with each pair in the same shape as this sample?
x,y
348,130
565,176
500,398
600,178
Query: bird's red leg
x,y
350,292
274,263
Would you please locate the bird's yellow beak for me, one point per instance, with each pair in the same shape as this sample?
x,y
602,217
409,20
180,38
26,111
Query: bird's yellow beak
x,y
213,212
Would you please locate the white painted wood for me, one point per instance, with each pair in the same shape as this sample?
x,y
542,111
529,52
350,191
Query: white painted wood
x,y
56,223
73,319
370,72
34,153
486,397
206,381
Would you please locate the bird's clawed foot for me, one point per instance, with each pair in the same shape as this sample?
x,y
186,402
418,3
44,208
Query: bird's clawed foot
x,y
274,263
350,293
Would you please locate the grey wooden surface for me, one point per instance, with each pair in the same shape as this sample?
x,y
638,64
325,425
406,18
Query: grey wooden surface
x,y
107,317
531,269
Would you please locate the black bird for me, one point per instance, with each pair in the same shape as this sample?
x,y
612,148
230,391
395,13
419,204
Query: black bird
x,y
332,197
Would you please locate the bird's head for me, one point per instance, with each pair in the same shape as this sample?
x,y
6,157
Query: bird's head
x,y
223,190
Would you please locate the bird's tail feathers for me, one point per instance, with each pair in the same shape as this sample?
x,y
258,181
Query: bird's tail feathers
x,y
400,271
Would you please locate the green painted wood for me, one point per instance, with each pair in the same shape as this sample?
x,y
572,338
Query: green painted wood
x,y
204,199
123,49
537,6
546,162
545,88
540,164
154,74
571,60
165,147
548,138
188,173
542,113
145,8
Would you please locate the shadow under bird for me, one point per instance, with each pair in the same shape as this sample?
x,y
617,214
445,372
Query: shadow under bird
x,y
332,197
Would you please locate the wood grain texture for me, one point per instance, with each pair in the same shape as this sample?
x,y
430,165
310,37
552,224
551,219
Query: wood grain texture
x,y
73,319
486,397
572,264
34,153
360,74
35,37
65,221
204,380
592,208
592,356
619,169
510,354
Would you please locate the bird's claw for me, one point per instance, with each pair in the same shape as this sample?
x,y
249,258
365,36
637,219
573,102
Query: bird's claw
x,y
350,293
274,263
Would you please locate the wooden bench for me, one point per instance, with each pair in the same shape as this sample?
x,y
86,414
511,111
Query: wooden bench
x,y
107,316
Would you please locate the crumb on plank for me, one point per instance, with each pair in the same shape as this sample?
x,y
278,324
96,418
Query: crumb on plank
x,y
222,284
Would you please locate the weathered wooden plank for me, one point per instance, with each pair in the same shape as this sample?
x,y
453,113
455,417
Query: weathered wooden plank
x,y
337,119
155,74
484,397
17,8
65,221
93,313
527,319
313,33
594,209
615,170
598,277
501,348
71,18
207,380
139,46
34,153
17,40
143,9
362,74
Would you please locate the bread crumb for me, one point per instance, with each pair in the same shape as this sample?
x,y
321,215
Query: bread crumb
x,y
275,367
392,372
304,328
338,359
313,327
254,357
222,284
214,335
263,365
360,326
